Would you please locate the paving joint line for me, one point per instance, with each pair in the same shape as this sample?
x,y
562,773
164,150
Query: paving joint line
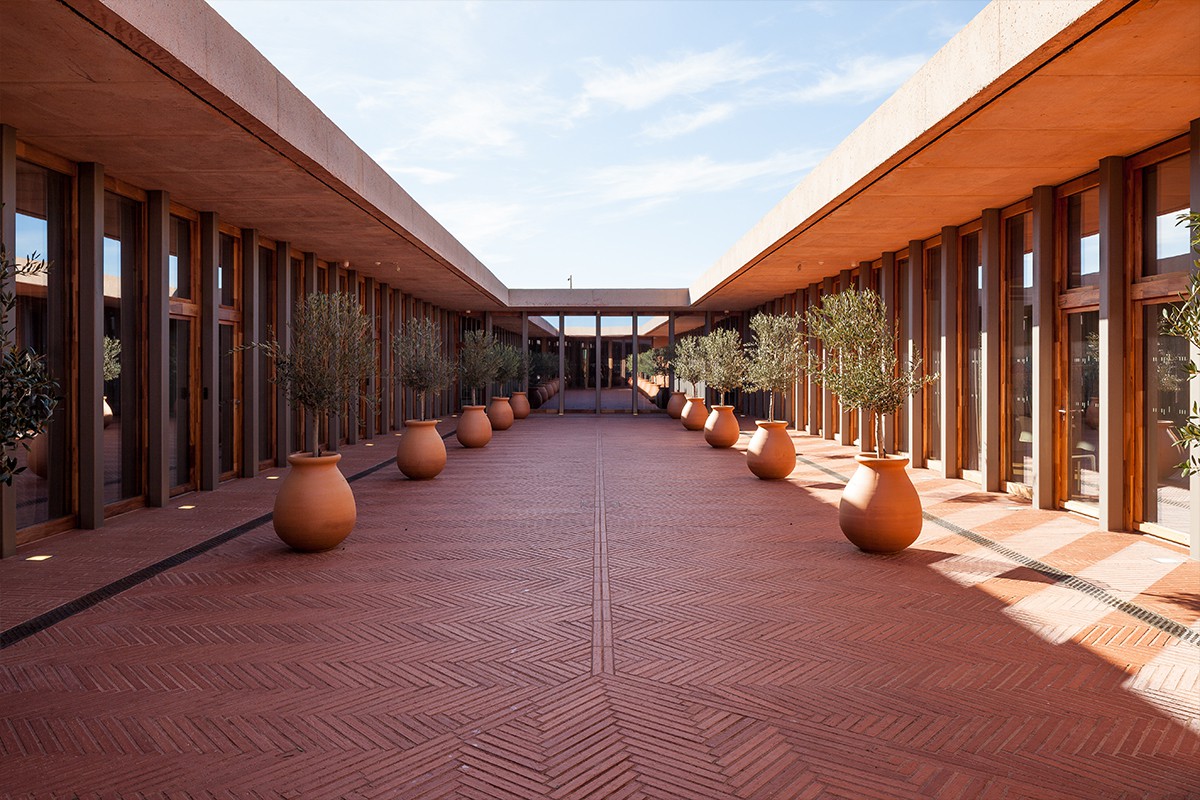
x,y
47,619
1059,576
602,639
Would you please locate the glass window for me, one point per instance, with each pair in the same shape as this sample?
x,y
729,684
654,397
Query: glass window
x,y
1083,239
972,292
1167,499
227,412
180,259
180,406
1019,360
41,323
227,269
266,326
123,414
1164,197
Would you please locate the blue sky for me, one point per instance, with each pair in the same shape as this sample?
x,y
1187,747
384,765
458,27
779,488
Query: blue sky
x,y
622,143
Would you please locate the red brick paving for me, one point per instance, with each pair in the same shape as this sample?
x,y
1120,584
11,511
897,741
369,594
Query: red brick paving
x,y
603,607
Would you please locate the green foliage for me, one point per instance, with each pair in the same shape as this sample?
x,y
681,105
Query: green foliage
x,y
1184,320
689,360
508,362
651,362
422,364
542,366
859,362
28,394
477,361
330,357
775,354
112,358
725,362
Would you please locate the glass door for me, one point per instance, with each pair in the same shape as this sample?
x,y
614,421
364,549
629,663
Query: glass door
x,y
181,455
1080,412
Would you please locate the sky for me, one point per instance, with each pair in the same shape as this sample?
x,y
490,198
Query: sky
x,y
597,144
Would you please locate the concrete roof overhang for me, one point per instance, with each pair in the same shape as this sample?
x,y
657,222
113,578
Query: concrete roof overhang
x,y
167,95
589,301
1028,94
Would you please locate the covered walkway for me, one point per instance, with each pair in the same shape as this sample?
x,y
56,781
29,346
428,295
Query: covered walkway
x,y
601,607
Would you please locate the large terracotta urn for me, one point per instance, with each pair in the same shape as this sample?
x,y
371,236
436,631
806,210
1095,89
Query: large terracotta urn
x,y
520,405
314,509
675,405
880,510
500,414
721,427
694,414
771,455
421,453
474,427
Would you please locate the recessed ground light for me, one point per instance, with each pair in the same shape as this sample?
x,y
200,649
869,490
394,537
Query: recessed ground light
x,y
186,507
272,477
39,558
370,444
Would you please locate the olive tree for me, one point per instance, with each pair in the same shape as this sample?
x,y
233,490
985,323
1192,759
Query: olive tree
x,y
775,355
725,362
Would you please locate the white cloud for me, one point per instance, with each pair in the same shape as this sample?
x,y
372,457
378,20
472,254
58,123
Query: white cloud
x,y
656,183
648,83
391,160
679,124
484,225
863,78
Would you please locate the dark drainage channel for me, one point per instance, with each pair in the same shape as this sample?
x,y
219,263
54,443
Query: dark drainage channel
x,y
1152,618
56,615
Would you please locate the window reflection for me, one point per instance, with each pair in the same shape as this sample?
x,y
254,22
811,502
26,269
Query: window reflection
x,y
1165,195
123,418
1083,407
1019,365
1165,377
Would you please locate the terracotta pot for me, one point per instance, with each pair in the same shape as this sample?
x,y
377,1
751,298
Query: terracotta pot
x,y
880,510
500,414
520,405
37,459
421,454
474,428
721,427
675,405
694,414
771,454
107,411
314,509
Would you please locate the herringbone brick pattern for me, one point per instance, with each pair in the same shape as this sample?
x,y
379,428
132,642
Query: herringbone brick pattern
x,y
605,607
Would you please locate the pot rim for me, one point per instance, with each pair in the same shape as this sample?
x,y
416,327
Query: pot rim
x,y
719,407
772,424
889,460
472,408
309,460
699,400
420,423
497,397
517,393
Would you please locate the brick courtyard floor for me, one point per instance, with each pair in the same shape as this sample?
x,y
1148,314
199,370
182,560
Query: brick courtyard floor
x,y
600,607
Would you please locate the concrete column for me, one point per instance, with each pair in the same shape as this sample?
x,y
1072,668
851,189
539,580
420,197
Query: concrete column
x,y
283,314
252,378
888,292
1045,317
210,357
991,403
596,366
814,388
633,378
671,349
562,364
91,345
845,429
158,428
827,420
1112,344
8,236
372,379
914,317
950,400
524,349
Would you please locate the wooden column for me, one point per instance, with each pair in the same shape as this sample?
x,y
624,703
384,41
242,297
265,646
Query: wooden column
x,y
1194,354
914,327
562,364
827,417
158,427
525,350
596,366
399,315
210,357
866,420
633,377
671,350
388,384
991,404
814,388
950,401
800,385
372,379
252,377
1113,472
283,313
845,434
1045,317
